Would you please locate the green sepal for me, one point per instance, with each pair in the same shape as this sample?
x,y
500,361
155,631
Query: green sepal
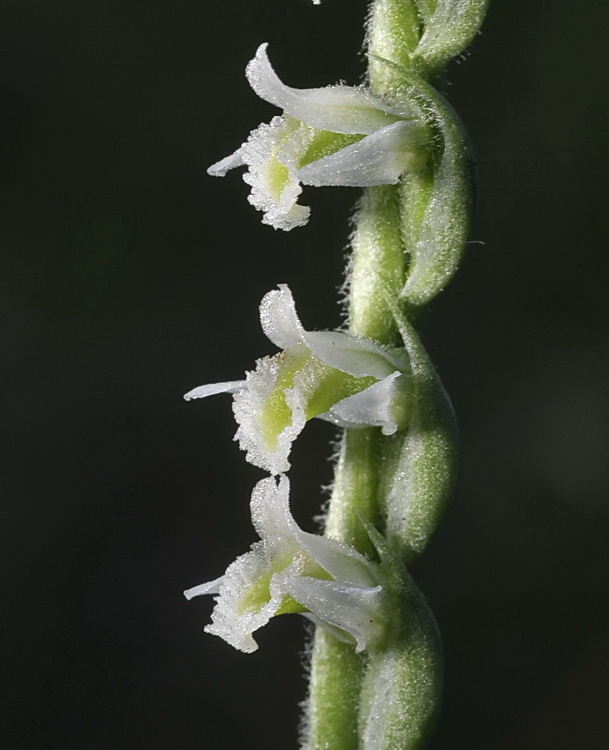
x,y
436,202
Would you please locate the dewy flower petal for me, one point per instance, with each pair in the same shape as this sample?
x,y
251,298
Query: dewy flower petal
x,y
378,159
331,375
211,389
337,135
290,570
340,109
352,610
358,357
377,406
275,186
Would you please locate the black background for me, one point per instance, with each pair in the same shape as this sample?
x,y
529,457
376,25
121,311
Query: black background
x,y
128,276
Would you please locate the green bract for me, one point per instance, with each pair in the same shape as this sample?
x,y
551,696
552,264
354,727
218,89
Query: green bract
x,y
437,204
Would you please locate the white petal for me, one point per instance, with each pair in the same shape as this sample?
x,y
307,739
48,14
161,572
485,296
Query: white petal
x,y
211,587
281,535
247,408
379,405
342,562
220,168
260,153
378,159
357,357
279,320
358,610
272,518
341,109
229,620
211,389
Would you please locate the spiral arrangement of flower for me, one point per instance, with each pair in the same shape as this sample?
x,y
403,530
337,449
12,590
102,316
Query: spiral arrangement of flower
x,y
375,675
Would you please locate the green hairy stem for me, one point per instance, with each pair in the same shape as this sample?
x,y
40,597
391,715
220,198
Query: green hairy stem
x,y
406,246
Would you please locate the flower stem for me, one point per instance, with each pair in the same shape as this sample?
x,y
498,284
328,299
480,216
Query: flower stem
x,y
407,242
336,715
393,34
334,691
378,265
336,670
354,495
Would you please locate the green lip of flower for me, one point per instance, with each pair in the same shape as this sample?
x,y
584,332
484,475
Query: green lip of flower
x,y
293,571
331,375
337,135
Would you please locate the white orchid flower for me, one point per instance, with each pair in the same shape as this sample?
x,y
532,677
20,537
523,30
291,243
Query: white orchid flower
x,y
292,571
349,381
337,135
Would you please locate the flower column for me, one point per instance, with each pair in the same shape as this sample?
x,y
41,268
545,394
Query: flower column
x,y
407,244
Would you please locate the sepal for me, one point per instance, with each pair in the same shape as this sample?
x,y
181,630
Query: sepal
x,y
349,612
378,159
339,109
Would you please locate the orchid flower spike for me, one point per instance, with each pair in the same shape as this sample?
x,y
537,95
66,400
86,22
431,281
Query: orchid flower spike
x,y
292,571
349,381
337,135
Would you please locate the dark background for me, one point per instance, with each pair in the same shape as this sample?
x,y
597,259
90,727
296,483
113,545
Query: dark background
x,y
128,276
